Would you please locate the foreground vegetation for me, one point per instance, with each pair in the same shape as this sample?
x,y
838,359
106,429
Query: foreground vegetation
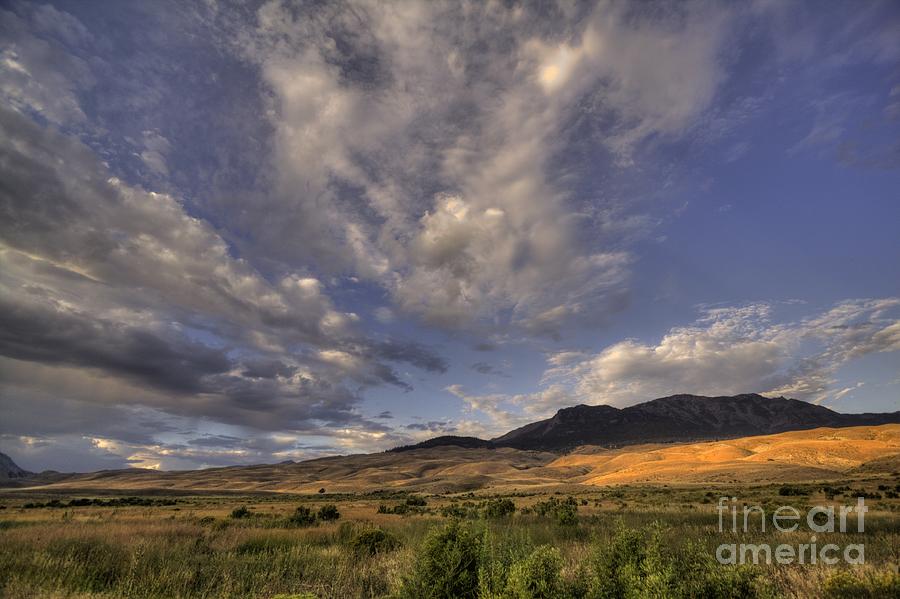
x,y
623,542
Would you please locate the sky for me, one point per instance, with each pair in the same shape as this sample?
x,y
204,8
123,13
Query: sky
x,y
237,233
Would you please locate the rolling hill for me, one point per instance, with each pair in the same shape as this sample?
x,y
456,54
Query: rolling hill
x,y
824,454
677,439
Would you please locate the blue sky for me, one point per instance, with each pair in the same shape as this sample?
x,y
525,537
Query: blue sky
x,y
250,232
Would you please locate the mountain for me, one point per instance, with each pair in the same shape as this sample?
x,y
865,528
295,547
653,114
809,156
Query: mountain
x,y
678,418
9,470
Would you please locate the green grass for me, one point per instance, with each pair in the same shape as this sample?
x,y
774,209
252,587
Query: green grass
x,y
661,544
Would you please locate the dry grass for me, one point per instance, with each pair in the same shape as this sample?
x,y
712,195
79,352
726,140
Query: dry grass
x,y
818,454
194,549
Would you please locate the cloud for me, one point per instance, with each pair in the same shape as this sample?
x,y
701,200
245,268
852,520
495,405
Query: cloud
x,y
432,427
418,147
508,411
155,149
485,368
734,350
727,351
38,74
123,284
198,245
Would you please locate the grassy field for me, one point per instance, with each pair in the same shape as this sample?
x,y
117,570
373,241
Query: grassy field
x,y
605,542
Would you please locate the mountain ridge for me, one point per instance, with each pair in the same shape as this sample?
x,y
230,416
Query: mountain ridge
x,y
9,470
672,419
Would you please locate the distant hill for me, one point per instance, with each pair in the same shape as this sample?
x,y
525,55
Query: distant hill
x,y
823,454
682,438
449,441
678,418
9,470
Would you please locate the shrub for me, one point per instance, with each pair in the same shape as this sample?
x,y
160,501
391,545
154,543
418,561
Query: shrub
x,y
402,509
845,585
788,491
329,512
633,564
416,501
499,508
302,516
567,515
537,576
455,511
498,555
373,541
564,511
241,512
447,565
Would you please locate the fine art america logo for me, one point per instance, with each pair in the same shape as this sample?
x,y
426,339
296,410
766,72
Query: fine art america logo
x,y
788,519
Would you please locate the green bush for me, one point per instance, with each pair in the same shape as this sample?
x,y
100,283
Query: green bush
x,y
403,509
328,512
416,501
447,566
564,511
567,515
846,585
241,512
498,555
537,576
302,516
373,541
634,564
456,511
499,508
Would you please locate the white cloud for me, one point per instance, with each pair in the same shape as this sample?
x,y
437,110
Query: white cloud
x,y
735,350
112,293
506,412
38,75
419,151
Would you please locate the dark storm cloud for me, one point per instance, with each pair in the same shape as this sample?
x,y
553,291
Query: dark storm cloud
x,y
50,412
217,441
488,369
483,368
267,369
433,426
109,278
39,333
411,352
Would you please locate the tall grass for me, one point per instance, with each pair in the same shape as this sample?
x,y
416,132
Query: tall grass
x,y
200,551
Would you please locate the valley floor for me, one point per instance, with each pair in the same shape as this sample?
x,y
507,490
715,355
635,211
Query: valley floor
x,y
626,541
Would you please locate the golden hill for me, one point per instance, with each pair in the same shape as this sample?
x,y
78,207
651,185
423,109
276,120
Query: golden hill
x,y
818,454
824,454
